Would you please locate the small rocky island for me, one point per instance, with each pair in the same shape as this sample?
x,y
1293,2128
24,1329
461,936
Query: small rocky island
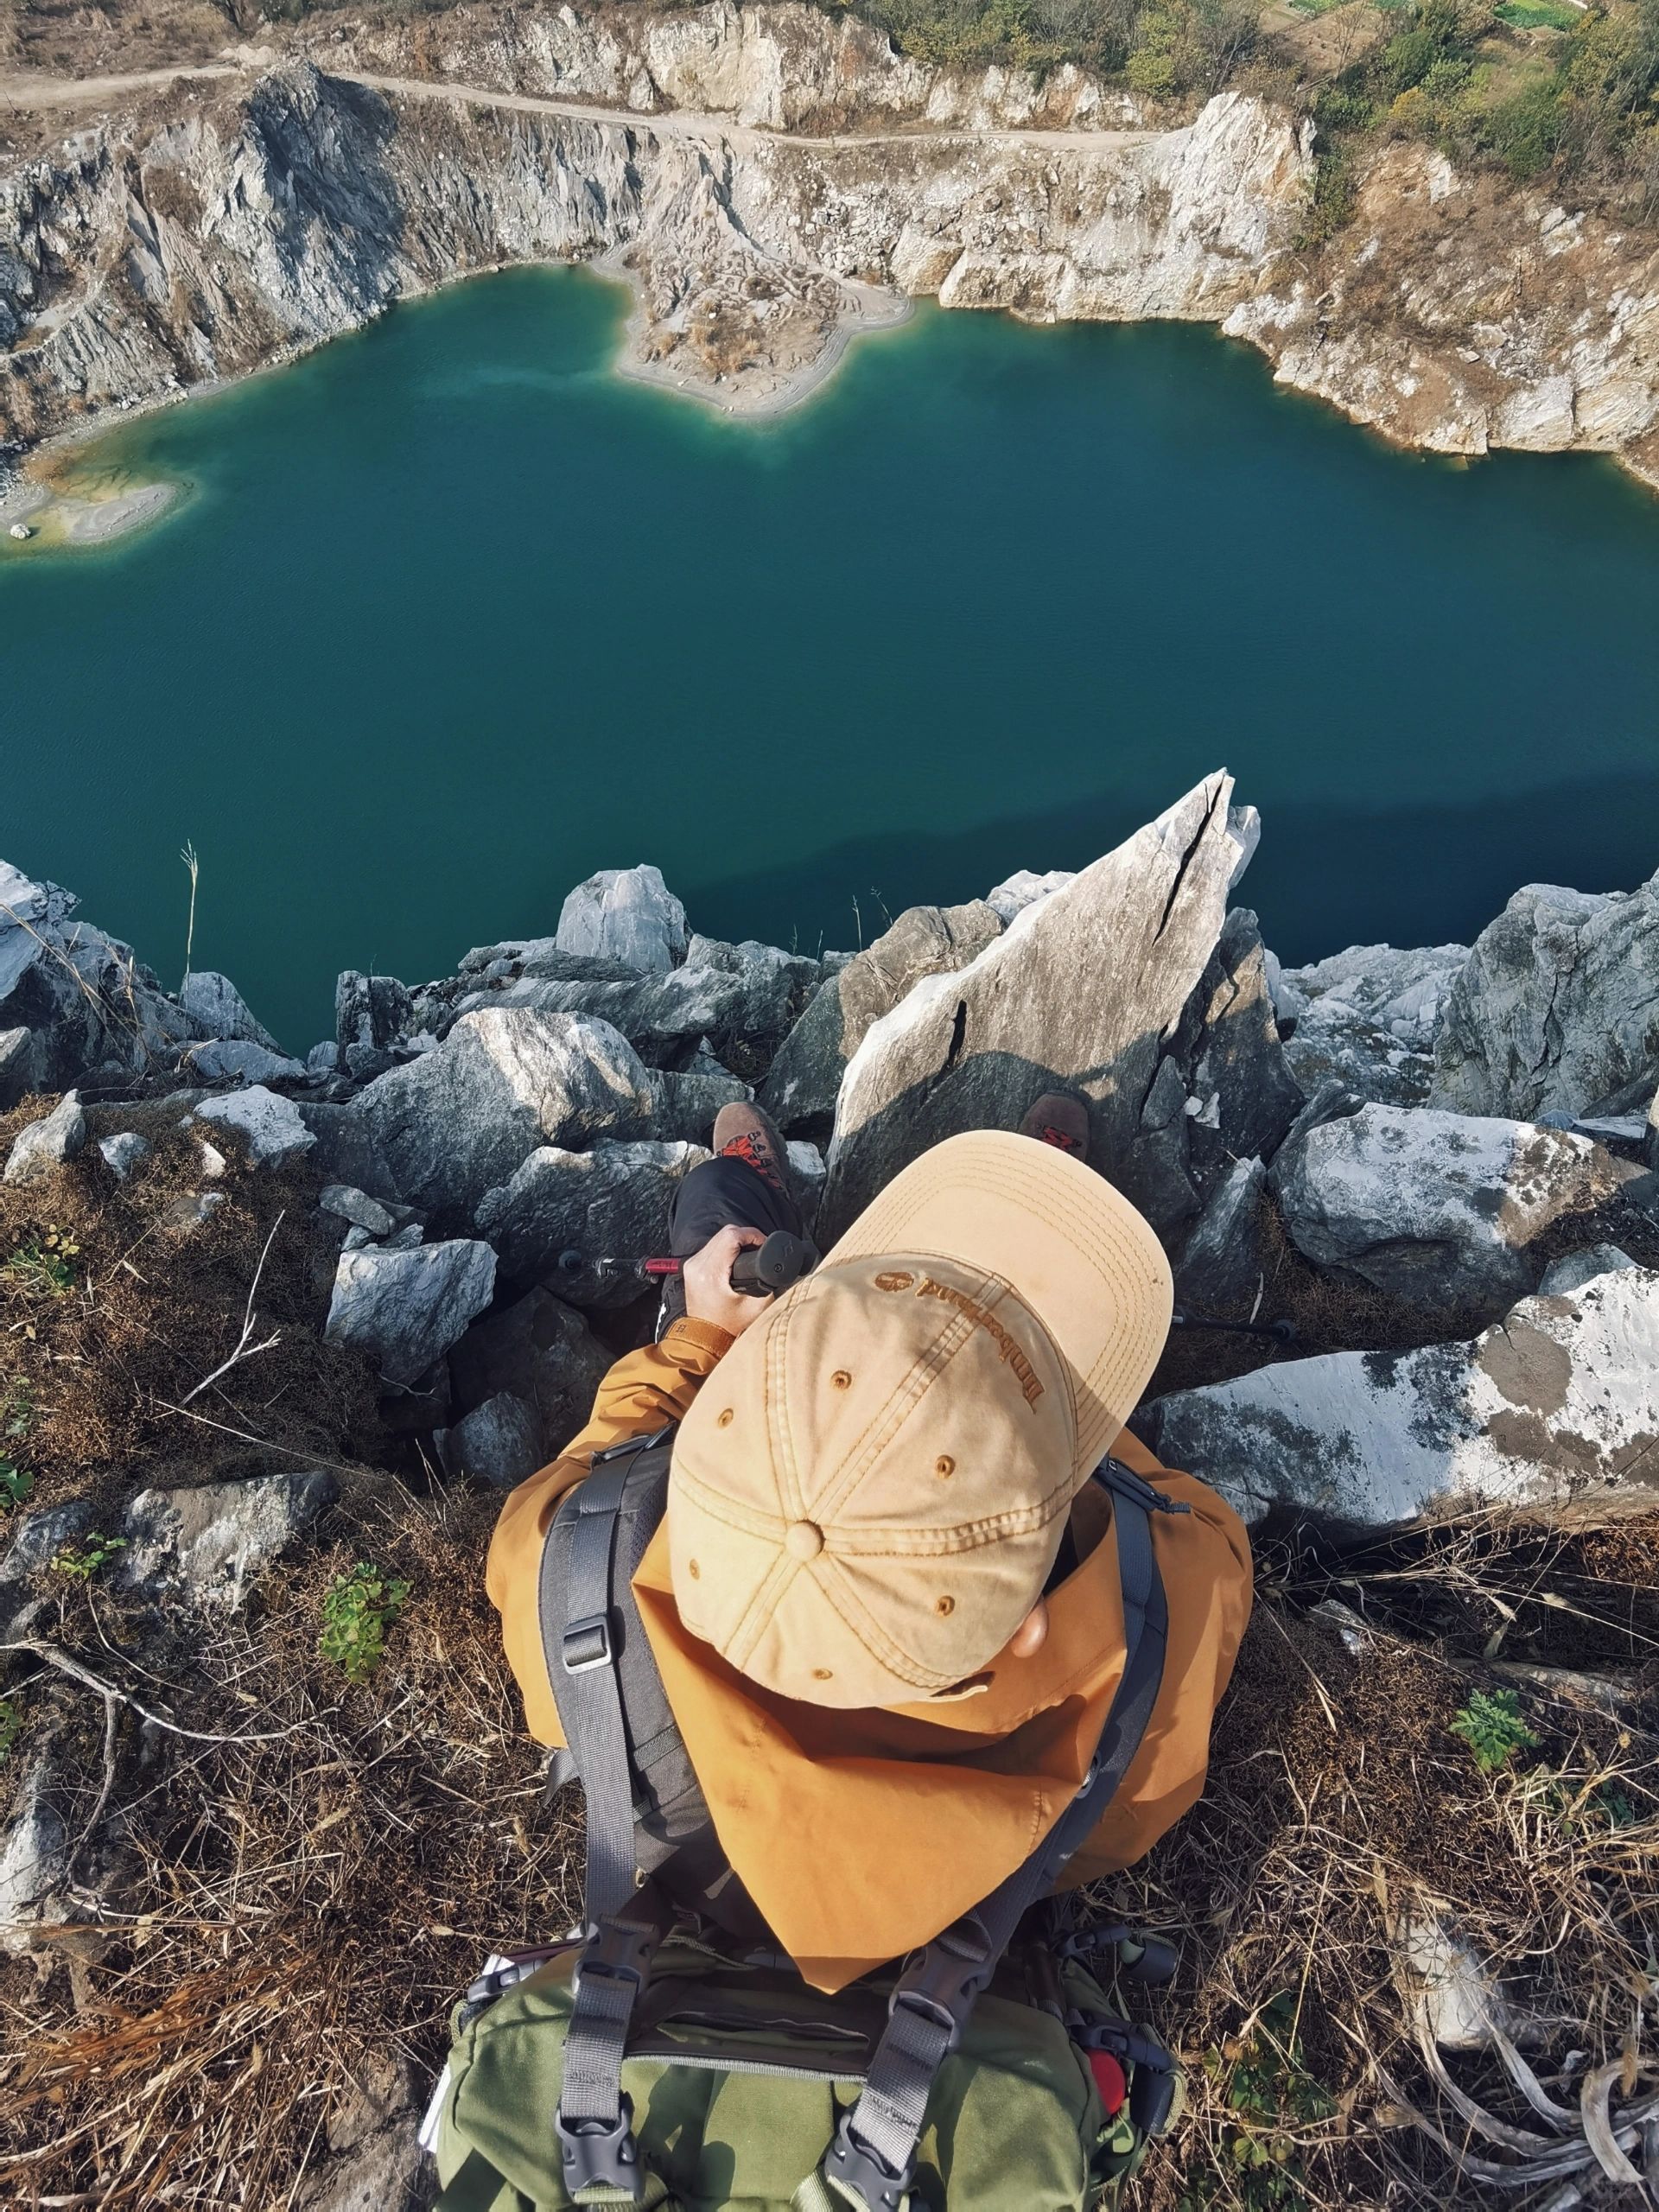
x,y
278,1330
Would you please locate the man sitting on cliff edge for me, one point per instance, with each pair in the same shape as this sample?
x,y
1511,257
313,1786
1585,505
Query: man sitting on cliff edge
x,y
884,1600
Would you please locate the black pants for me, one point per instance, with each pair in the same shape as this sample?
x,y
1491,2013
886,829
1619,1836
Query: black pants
x,y
720,1194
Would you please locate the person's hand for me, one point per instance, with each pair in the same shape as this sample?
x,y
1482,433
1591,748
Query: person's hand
x,y
705,1279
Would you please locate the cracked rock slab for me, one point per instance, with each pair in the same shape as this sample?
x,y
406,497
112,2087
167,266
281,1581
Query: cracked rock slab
x,y
407,1308
205,1545
1560,1397
608,1209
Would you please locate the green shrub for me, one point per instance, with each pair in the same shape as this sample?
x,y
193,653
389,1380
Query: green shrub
x,y
81,1562
358,1608
1525,131
11,1721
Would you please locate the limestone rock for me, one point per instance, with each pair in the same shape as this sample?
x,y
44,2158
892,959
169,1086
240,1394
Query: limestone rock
x,y
773,989
800,1091
1557,1009
1024,888
373,2162
1572,1272
36,1538
540,1351
345,1203
19,1060
91,1006
684,1106
1562,1395
1221,1268
123,1151
806,1178
609,1206
234,1060
1241,1098
662,1017
627,914
270,1126
1081,993
206,1544
407,1308
498,1442
35,1838
1445,1210
1440,1973
219,1009
458,1122
41,1149
373,1015
1367,1018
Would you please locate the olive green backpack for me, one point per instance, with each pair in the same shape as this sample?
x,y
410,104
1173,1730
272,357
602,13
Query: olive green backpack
x,y
657,2059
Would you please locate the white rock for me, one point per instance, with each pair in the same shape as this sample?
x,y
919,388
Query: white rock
x,y
1560,1395
1444,1210
219,1009
123,1151
238,1059
41,1148
407,1308
18,1063
349,1204
1024,888
270,1126
35,1842
627,914
1367,1018
1558,1007
208,1542
461,1119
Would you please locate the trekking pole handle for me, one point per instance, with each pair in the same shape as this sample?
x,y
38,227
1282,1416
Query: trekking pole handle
x,y
762,1270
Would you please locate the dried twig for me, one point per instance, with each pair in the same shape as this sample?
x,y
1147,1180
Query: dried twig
x,y
84,1675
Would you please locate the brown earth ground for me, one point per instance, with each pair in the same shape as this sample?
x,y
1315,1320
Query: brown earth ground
x,y
294,1895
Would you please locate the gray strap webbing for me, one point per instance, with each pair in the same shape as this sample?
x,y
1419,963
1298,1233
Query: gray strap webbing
x,y
875,2149
579,1640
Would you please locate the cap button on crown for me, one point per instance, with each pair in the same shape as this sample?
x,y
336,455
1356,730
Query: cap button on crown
x,y
803,1540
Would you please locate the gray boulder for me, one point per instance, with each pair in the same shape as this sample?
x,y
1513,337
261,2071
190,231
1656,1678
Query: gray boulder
x,y
405,1309
773,990
540,1351
1574,1269
1024,888
662,1017
1222,1264
349,1204
373,1017
684,1106
801,1088
123,1152
36,1538
237,1059
219,1009
1240,1096
457,1122
498,1442
1367,1019
609,1206
806,1179
1562,1393
1557,1007
92,1008
1446,1211
41,1149
627,914
35,1837
270,1126
205,1545
1090,991
19,1065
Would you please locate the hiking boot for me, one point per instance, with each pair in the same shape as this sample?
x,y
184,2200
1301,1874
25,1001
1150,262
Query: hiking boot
x,y
1060,1118
743,1132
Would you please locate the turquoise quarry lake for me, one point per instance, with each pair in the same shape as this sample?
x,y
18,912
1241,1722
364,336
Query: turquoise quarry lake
x,y
451,615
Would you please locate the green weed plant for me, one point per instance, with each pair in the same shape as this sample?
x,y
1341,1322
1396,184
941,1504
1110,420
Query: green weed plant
x,y
358,1608
43,1266
1264,2079
1491,1726
81,1562
11,1721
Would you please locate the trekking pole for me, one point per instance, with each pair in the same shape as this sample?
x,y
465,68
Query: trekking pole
x,y
1283,1331
759,1271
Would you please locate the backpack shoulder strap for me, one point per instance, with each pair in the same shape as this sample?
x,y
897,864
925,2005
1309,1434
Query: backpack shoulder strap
x,y
874,2154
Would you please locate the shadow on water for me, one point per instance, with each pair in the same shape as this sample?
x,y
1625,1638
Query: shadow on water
x,y
1329,874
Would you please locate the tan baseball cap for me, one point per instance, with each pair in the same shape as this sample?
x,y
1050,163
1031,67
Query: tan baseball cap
x,y
869,1490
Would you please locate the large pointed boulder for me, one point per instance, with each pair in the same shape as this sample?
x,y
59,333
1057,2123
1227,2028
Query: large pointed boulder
x,y
1086,991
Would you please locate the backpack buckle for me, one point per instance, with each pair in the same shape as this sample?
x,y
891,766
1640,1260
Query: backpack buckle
x,y
586,1644
941,1982
594,2154
853,2164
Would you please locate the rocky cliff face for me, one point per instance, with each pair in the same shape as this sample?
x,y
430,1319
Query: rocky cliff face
x,y
769,178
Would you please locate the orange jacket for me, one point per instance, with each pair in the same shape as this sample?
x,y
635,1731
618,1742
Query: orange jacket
x,y
859,1835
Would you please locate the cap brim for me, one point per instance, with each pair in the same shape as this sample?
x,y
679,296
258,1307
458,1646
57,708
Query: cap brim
x,y
1079,1255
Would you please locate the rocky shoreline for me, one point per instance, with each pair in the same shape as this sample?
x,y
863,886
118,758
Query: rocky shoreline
x,y
274,1322
763,177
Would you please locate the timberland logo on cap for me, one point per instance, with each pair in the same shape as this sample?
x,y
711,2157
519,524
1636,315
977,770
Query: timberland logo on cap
x,y
893,1279
983,1318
